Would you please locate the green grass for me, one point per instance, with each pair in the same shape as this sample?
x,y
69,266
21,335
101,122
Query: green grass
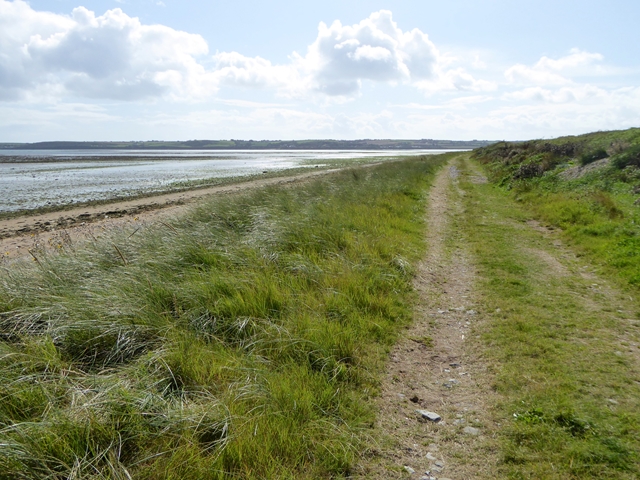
x,y
244,340
596,211
569,387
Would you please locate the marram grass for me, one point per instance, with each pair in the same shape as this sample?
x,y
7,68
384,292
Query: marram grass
x,y
243,340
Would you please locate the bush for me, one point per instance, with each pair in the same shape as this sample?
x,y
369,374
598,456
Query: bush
x,y
590,157
630,157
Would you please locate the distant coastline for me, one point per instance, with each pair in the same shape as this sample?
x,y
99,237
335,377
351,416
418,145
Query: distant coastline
x,y
256,145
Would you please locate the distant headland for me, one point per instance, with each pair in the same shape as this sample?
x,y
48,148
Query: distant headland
x,y
422,144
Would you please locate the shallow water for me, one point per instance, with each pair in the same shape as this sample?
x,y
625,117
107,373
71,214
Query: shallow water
x,y
35,178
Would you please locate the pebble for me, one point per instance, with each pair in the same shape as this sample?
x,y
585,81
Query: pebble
x,y
409,470
431,457
431,416
471,431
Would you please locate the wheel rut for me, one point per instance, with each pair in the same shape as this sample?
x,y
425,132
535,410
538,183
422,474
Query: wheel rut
x,y
436,366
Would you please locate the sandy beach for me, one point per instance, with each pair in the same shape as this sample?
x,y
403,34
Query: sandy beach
x,y
55,230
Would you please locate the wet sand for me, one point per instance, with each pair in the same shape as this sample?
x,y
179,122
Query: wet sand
x,y
55,230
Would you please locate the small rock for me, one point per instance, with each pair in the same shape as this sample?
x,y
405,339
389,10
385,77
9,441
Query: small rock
x,y
436,469
612,401
439,464
415,399
431,457
460,421
431,416
471,312
454,365
471,431
409,470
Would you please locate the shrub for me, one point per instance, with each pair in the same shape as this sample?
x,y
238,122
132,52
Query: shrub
x,y
528,170
590,157
630,157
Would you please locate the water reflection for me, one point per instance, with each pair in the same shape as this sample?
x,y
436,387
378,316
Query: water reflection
x,y
35,178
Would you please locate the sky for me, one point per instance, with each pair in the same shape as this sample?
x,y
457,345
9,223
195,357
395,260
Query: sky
x,y
344,69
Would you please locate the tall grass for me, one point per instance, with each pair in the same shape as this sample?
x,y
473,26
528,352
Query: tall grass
x,y
243,340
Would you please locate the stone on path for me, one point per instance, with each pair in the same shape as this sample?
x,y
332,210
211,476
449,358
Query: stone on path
x,y
431,416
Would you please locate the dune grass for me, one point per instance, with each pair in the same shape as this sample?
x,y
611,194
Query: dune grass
x,y
243,340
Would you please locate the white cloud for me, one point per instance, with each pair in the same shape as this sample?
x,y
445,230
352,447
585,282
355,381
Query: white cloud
x,y
548,71
109,56
456,80
343,56
114,56
237,70
375,49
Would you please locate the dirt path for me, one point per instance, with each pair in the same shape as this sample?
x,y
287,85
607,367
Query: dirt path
x,y
55,229
435,366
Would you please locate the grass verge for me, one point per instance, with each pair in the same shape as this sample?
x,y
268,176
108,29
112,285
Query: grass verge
x,y
241,341
595,204
563,362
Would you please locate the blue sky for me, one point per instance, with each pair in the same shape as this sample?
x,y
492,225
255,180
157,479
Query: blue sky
x,y
179,70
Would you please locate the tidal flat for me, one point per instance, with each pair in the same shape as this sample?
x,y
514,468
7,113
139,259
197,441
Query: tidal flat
x,y
57,178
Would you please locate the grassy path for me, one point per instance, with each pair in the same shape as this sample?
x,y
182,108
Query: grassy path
x,y
548,374
435,366
563,344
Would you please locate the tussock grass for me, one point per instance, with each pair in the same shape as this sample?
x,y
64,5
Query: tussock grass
x,y
243,340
